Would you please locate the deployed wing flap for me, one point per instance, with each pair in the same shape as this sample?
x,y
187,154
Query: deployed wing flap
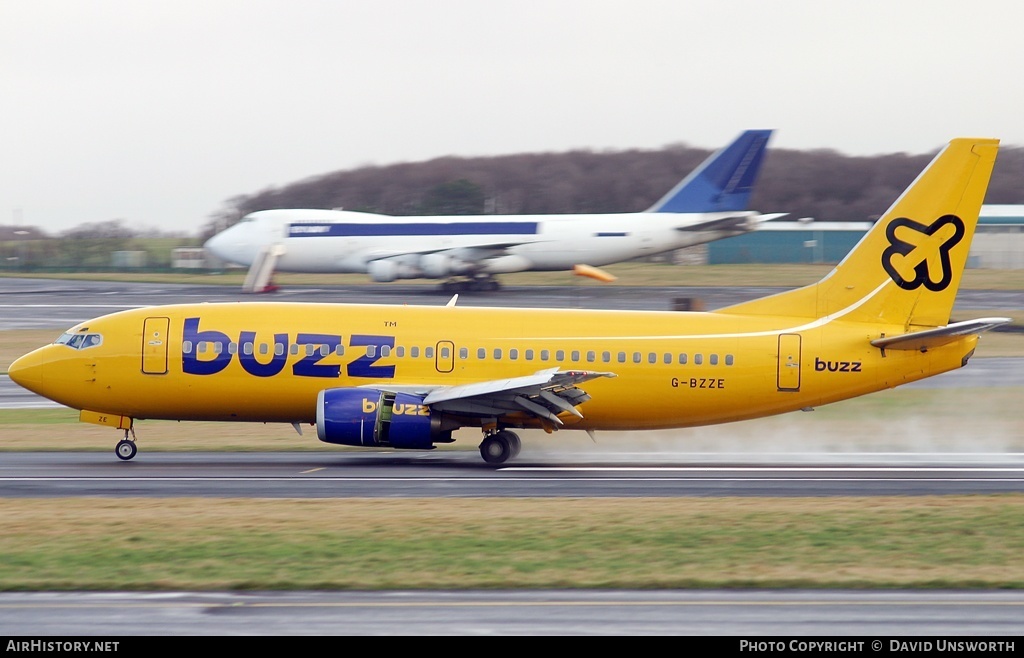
x,y
544,394
922,340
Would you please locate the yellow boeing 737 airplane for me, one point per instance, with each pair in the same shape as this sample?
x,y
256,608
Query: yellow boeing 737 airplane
x,y
407,376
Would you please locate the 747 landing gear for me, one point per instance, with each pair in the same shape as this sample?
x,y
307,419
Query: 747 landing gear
x,y
125,448
499,447
478,283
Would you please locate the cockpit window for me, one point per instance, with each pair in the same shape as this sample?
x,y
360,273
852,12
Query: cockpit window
x,y
79,341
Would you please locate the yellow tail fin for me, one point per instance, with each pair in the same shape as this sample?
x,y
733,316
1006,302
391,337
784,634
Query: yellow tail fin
x,y
907,268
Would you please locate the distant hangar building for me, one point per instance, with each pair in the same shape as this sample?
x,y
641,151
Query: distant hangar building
x,y
998,242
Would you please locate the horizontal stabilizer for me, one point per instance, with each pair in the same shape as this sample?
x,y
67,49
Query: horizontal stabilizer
x,y
922,340
747,221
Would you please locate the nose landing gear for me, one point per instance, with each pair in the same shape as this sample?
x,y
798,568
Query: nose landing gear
x,y
125,448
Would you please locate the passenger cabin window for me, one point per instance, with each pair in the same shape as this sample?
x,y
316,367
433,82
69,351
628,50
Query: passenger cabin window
x,y
481,353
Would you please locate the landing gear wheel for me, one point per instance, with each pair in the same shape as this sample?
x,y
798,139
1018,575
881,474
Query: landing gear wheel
x,y
125,449
514,443
499,447
495,449
483,284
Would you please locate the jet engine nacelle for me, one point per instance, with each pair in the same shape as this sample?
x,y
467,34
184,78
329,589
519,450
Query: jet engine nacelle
x,y
368,417
441,265
384,271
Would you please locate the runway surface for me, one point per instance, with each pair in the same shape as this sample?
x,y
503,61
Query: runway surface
x,y
453,474
789,616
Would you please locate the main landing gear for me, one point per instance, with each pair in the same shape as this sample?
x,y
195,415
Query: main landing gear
x,y
499,447
481,283
125,448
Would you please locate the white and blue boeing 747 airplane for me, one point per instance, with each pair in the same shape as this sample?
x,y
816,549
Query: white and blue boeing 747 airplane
x,y
468,251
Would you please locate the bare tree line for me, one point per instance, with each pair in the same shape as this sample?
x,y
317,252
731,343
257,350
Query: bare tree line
x,y
822,184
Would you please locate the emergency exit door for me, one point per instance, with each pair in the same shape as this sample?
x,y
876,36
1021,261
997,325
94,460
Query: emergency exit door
x,y
445,356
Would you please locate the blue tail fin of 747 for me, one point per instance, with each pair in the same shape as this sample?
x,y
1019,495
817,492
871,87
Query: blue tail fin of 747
x,y
723,182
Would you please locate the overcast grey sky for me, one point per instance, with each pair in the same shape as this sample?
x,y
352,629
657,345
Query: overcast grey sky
x,y
156,112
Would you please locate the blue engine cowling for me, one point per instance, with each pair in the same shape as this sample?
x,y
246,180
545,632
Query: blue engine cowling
x,y
368,417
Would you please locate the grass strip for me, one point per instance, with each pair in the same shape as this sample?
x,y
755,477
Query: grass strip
x,y
169,544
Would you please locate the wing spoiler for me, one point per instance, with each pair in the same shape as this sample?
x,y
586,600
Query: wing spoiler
x,y
544,394
922,340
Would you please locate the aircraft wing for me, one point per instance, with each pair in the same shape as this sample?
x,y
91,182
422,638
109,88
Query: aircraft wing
x,y
478,251
745,221
922,340
544,394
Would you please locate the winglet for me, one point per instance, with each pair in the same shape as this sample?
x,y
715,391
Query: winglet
x,y
451,302
723,182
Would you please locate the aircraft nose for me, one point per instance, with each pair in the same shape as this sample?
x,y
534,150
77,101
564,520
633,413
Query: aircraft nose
x,y
27,371
215,246
229,245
